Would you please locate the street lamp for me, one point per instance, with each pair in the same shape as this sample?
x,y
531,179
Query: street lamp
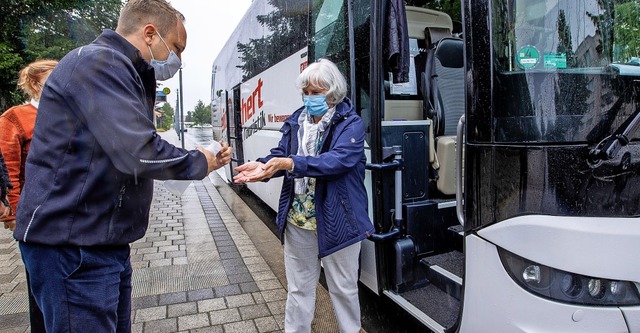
x,y
181,110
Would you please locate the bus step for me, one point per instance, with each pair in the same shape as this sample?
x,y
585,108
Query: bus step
x,y
457,229
433,307
445,271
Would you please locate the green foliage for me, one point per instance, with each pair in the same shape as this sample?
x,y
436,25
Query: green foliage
x,y
627,31
201,114
39,29
166,120
288,27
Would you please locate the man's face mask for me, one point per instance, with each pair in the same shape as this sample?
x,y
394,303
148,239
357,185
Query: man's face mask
x,y
165,69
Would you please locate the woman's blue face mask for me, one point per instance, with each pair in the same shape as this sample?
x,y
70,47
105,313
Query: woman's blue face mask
x,y
316,105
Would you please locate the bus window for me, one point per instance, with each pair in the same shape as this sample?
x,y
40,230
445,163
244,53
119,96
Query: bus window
x,y
329,30
559,34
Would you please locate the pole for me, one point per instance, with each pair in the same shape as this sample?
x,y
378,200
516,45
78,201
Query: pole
x,y
181,110
176,115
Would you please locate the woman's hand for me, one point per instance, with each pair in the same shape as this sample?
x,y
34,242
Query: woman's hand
x,y
256,171
249,172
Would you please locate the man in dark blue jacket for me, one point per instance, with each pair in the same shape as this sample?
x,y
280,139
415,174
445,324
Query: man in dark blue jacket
x,y
90,170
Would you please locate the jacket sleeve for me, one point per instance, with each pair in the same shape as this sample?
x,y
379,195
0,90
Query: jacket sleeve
x,y
345,154
109,97
11,145
280,151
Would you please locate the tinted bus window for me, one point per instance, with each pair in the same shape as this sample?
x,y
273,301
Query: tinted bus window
x,y
565,69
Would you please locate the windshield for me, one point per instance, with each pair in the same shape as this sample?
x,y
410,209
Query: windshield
x,y
565,70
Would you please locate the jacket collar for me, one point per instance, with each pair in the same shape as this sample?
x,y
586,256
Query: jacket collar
x,y
112,39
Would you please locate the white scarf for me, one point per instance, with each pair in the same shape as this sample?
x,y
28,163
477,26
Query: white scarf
x,y
310,137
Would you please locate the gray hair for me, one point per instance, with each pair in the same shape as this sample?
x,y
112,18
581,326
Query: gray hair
x,y
324,74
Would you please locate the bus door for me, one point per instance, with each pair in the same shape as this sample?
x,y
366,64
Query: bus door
x,y
418,239
234,129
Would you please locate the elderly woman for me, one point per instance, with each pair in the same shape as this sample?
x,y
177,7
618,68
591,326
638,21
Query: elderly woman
x,y
322,215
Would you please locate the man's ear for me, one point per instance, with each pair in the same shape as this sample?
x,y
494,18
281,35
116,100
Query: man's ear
x,y
148,32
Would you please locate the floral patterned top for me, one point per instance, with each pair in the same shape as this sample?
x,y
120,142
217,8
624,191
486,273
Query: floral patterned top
x,y
303,209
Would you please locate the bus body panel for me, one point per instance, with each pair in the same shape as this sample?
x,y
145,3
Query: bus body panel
x,y
584,245
254,148
493,302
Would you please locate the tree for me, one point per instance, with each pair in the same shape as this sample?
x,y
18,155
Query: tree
x,y
201,114
627,31
167,116
39,29
284,32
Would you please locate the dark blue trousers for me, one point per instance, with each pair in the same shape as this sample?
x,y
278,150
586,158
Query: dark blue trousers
x,y
80,289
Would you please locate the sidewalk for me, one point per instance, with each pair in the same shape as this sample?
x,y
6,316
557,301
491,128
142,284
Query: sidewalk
x,y
195,270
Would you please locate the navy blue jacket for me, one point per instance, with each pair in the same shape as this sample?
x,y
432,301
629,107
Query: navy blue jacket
x,y
341,198
95,152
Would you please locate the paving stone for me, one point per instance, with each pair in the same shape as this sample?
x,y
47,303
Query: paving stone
x,y
210,329
277,307
193,321
161,326
239,278
274,295
173,298
211,304
227,290
240,327
144,302
224,316
181,309
200,294
160,262
268,284
239,300
254,311
249,287
149,314
266,324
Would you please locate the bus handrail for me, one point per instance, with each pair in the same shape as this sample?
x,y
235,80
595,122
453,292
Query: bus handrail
x,y
393,165
459,173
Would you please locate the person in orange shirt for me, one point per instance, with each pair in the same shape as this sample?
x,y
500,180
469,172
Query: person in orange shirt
x,y
5,187
16,130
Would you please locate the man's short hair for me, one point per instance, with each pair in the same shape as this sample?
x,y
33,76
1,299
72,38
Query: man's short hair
x,y
138,13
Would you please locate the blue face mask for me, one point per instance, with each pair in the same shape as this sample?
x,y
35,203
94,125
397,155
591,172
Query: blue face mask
x,y
165,69
316,105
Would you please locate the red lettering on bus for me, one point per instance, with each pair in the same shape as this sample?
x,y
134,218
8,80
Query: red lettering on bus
x,y
248,106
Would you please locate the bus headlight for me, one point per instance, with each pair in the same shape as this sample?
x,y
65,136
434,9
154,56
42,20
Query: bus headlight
x,y
567,287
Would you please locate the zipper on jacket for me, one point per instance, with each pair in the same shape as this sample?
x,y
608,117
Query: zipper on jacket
x,y
121,195
348,213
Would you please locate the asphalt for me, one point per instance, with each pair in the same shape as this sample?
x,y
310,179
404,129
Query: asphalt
x,y
206,264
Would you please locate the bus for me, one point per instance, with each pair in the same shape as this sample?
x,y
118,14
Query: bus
x,y
502,145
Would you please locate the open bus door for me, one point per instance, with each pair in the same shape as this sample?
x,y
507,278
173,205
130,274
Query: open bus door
x,y
231,119
418,240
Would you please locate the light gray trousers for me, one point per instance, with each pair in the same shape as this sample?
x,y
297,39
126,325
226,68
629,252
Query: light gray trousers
x,y
303,271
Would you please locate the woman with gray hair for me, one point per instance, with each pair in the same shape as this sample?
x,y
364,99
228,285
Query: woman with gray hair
x,y
322,213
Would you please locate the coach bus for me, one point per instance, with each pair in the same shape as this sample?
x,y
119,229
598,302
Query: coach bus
x,y
503,149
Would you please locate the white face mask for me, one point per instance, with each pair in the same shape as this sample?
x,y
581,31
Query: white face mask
x,y
165,69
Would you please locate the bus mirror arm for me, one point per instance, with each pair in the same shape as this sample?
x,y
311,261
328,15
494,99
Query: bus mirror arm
x,y
608,148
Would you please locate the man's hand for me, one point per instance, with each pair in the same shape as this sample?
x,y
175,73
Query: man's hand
x,y
217,161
